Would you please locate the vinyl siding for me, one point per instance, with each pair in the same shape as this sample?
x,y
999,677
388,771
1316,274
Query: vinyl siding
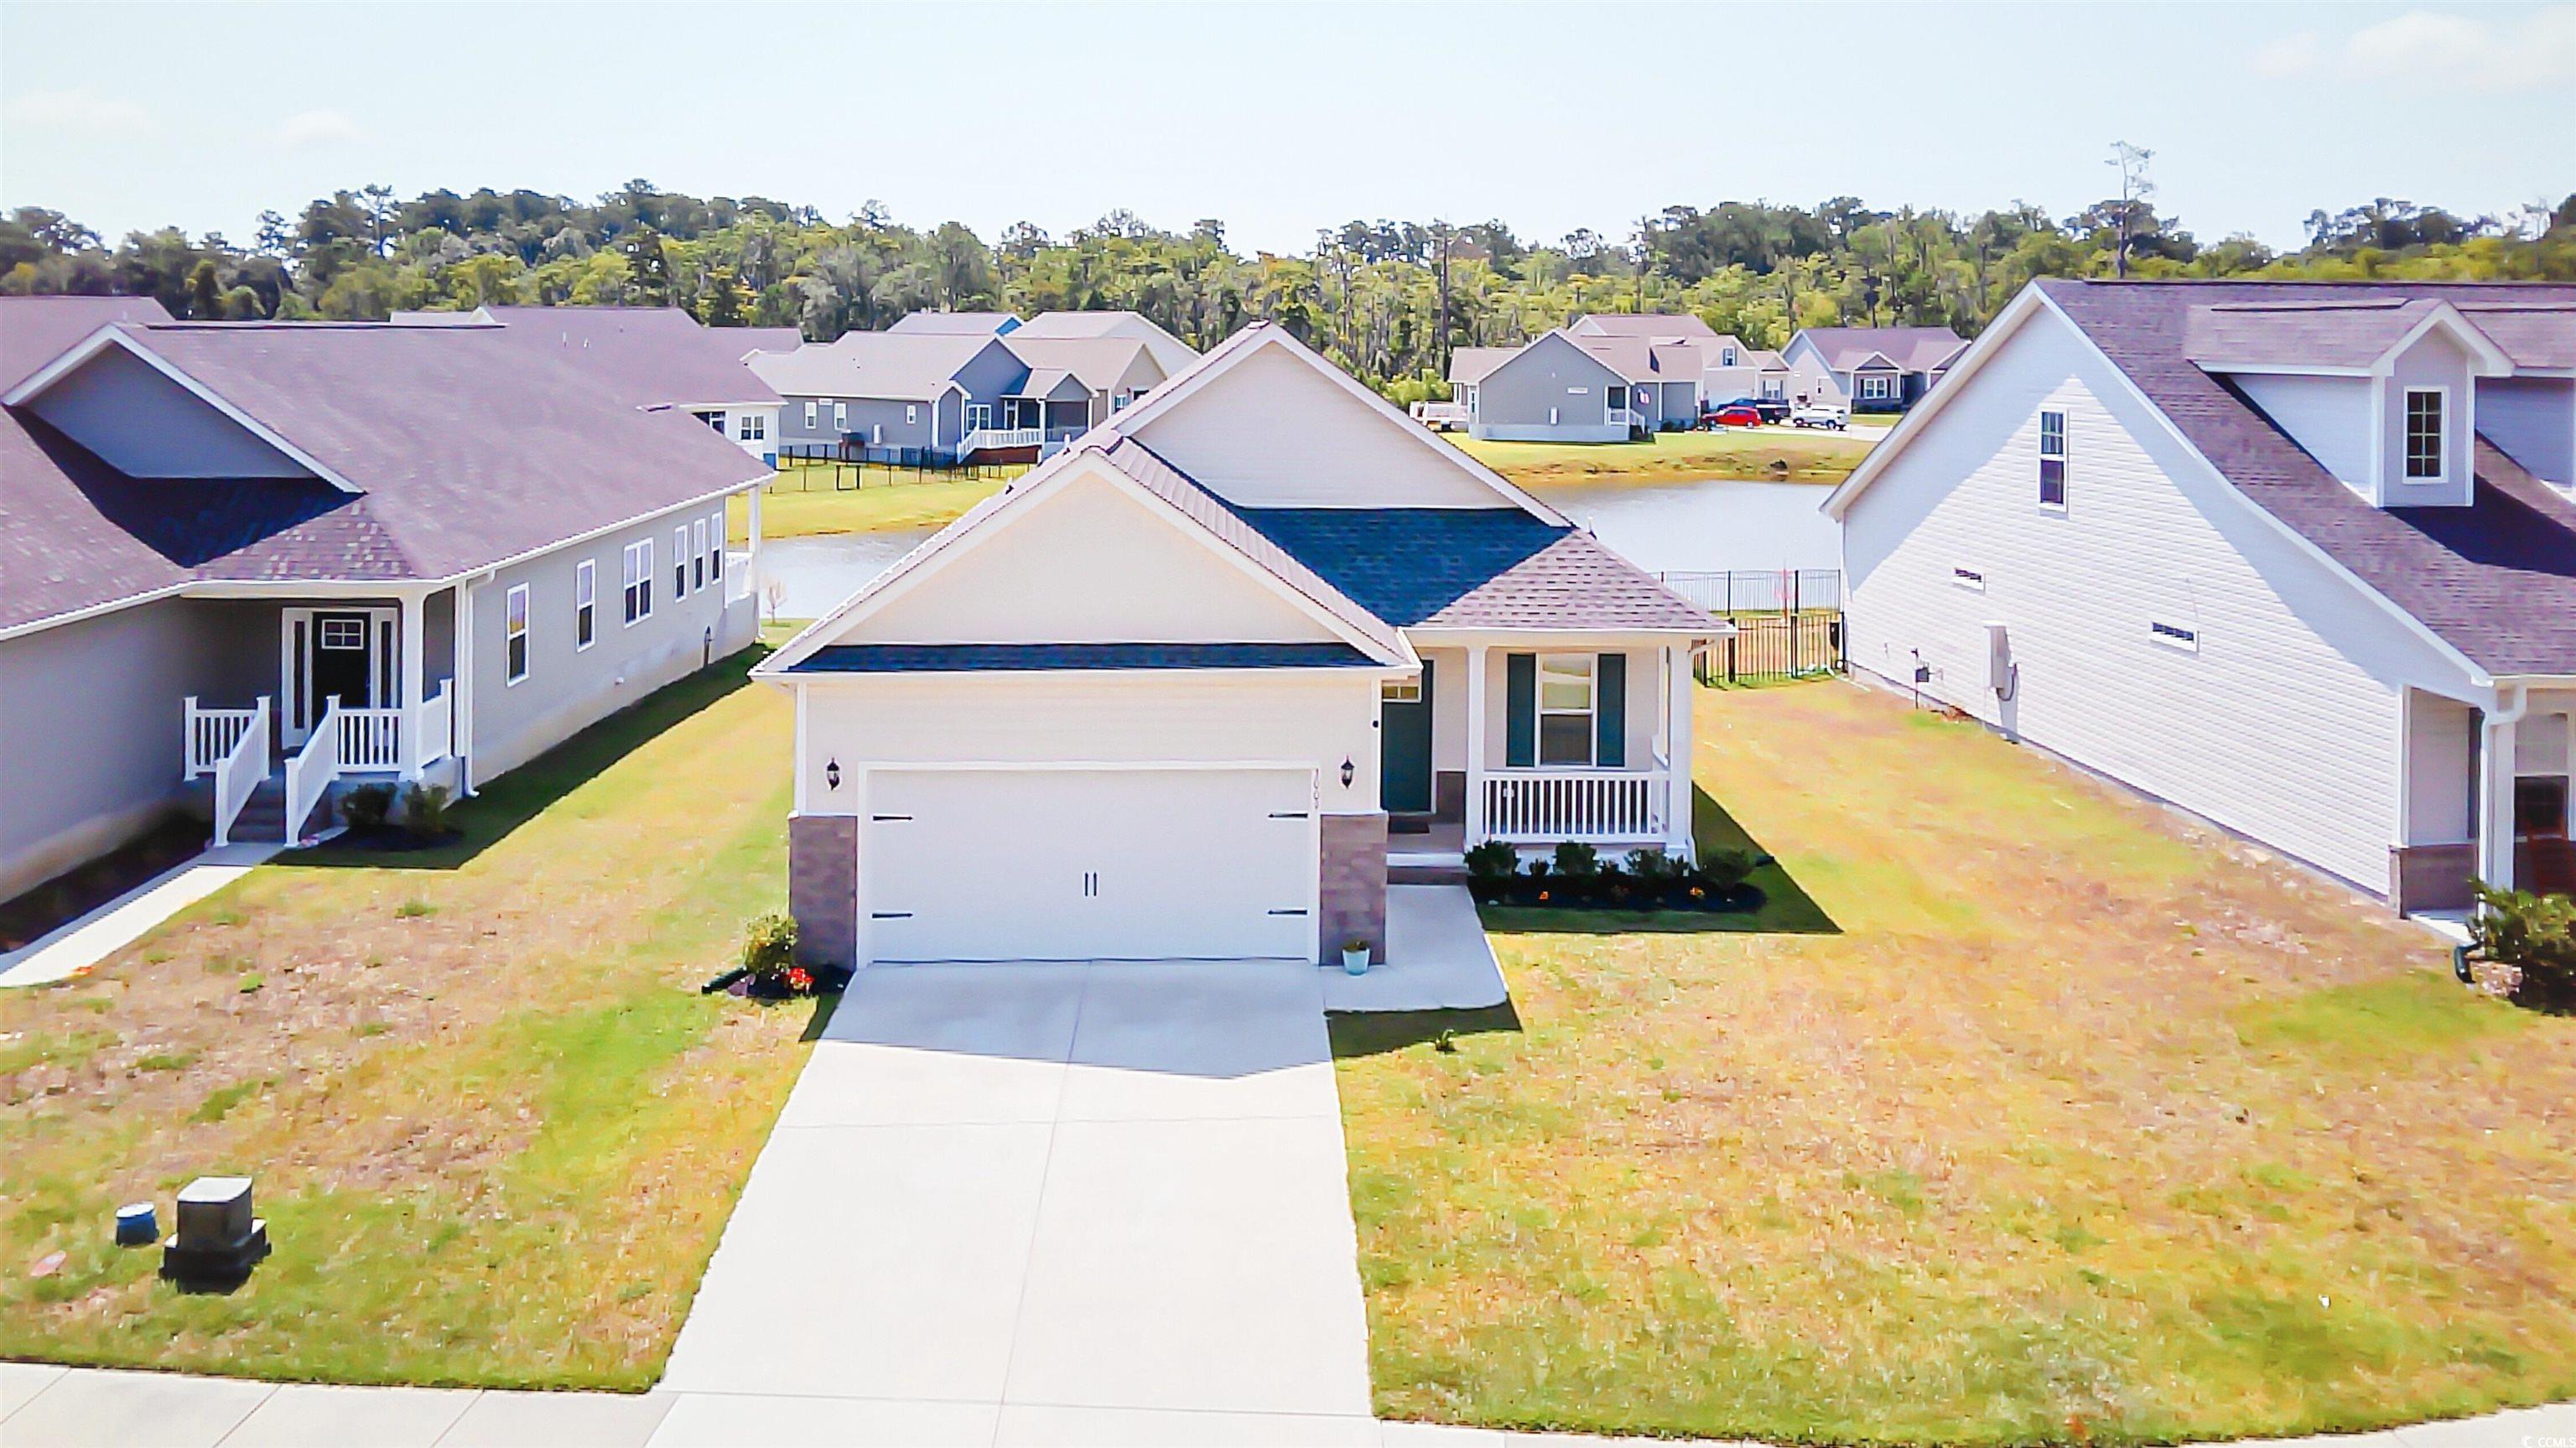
x,y
2534,420
1514,401
1271,433
2327,416
2284,725
147,426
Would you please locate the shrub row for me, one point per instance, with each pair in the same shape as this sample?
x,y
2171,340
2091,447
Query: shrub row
x,y
1578,878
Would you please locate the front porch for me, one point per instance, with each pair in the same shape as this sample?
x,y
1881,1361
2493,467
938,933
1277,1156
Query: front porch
x,y
2485,797
1534,741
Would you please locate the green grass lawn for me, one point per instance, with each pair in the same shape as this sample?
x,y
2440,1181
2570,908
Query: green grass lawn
x,y
802,501
1674,457
495,1129
2022,1114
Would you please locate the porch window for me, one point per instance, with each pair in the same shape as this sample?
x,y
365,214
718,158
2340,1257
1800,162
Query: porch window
x,y
1618,398
2424,435
2052,460
698,554
344,633
679,563
639,580
585,604
1877,387
1565,706
514,635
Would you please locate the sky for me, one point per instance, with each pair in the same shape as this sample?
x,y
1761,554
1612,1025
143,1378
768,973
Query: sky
x,y
1284,119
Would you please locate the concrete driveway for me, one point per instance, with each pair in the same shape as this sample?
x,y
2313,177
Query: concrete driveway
x,y
1023,1203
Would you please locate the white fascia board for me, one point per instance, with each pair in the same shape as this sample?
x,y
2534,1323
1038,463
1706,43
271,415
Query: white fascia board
x,y
1242,673
1915,419
1429,636
1234,349
2486,359
113,335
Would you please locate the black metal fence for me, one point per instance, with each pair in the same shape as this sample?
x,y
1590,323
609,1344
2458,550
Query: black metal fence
x,y
1788,622
814,467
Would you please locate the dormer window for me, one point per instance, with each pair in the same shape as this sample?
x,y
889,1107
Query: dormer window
x,y
2424,435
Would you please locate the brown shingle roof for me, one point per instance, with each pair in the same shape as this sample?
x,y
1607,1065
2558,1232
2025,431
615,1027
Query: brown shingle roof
x,y
1914,349
36,330
2496,580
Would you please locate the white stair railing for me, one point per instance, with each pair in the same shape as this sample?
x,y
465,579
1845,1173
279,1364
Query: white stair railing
x,y
310,771
1588,805
437,726
984,438
243,769
208,735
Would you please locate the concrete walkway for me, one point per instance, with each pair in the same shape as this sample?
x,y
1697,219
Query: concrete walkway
x,y
72,949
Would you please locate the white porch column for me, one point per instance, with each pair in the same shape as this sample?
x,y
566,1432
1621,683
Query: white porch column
x,y
2495,803
1476,705
1677,736
461,737
415,642
751,552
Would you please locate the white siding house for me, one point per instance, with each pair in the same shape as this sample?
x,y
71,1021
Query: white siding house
x,y
2045,549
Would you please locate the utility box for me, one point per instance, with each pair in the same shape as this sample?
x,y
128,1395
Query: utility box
x,y
1999,669
218,1240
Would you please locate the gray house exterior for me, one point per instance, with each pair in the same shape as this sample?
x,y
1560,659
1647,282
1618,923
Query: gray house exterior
x,y
1551,391
244,566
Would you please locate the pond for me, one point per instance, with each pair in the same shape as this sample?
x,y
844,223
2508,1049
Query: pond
x,y
1680,527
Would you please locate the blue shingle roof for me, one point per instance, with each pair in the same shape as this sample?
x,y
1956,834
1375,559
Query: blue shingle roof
x,y
981,658
1473,568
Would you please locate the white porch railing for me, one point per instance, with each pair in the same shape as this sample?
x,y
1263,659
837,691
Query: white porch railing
x,y
1627,417
984,438
437,716
310,770
1537,806
370,739
208,735
242,770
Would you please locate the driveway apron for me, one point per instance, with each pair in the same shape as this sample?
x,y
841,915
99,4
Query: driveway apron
x,y
1016,1189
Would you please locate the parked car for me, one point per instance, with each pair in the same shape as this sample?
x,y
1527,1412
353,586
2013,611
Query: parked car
x,y
1733,414
1772,409
1441,416
1828,417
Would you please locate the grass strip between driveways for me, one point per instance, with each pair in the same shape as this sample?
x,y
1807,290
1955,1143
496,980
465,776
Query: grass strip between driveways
x,y
495,1130
2032,1116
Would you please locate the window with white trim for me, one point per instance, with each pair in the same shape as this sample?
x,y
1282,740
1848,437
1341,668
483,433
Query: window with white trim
x,y
343,633
912,412
2052,459
716,547
1565,706
1877,387
754,428
840,417
514,635
680,563
698,554
2424,461
812,414
1726,357
585,604
1400,691
714,420
639,580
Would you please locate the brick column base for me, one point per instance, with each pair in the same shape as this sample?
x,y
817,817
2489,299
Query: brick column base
x,y
1354,885
823,887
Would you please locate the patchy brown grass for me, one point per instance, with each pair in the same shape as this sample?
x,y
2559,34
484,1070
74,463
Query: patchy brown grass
x,y
495,1129
1774,455
2049,1119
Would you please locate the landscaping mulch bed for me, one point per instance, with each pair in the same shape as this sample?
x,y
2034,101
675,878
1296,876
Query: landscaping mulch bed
x,y
76,892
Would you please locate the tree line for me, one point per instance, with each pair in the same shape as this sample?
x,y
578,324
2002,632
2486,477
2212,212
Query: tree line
x,y
1388,300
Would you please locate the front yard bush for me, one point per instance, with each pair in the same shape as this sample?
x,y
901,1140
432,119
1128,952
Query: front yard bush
x,y
1577,878
2536,935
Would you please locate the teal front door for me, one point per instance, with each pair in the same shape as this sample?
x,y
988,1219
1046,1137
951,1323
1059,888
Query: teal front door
x,y
1404,745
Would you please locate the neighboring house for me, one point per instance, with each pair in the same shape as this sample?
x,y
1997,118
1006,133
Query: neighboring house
x,y
2298,558
955,324
1082,380
1170,353
284,556
923,392
1468,369
1566,388
652,357
1164,696
1868,369
1770,376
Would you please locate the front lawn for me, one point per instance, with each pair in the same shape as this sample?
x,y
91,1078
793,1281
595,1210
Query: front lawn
x,y
806,500
495,1129
2026,1114
1778,455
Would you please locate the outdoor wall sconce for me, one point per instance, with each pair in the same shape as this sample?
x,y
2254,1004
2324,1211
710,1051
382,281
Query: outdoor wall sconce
x,y
832,774
1347,772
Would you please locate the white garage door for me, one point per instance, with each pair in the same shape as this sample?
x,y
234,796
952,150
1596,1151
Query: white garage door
x,y
1089,864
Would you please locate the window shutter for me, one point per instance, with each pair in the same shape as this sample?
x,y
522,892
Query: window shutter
x,y
1610,712
1520,710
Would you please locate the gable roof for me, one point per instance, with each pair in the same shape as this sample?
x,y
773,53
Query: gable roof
x,y
760,339
1471,365
647,356
458,448
1639,360
1655,326
2335,333
1169,352
886,366
2494,582
1100,363
1911,349
36,330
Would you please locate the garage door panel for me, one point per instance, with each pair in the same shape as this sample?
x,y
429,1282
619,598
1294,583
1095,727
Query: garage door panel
x,y
1084,864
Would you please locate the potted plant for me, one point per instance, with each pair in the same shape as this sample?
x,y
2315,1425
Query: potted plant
x,y
1355,955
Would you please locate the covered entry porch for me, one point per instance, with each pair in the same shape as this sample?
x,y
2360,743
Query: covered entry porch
x,y
1538,739
321,690
2486,796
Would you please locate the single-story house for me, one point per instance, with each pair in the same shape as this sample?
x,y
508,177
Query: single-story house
x,y
1568,388
1868,369
1170,353
653,356
1166,695
2299,558
923,392
281,557
1082,380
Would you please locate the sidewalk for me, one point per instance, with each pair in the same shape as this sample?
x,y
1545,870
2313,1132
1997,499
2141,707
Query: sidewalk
x,y
71,949
51,1407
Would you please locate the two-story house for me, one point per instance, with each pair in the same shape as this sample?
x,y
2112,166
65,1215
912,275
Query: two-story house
x,y
2299,558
